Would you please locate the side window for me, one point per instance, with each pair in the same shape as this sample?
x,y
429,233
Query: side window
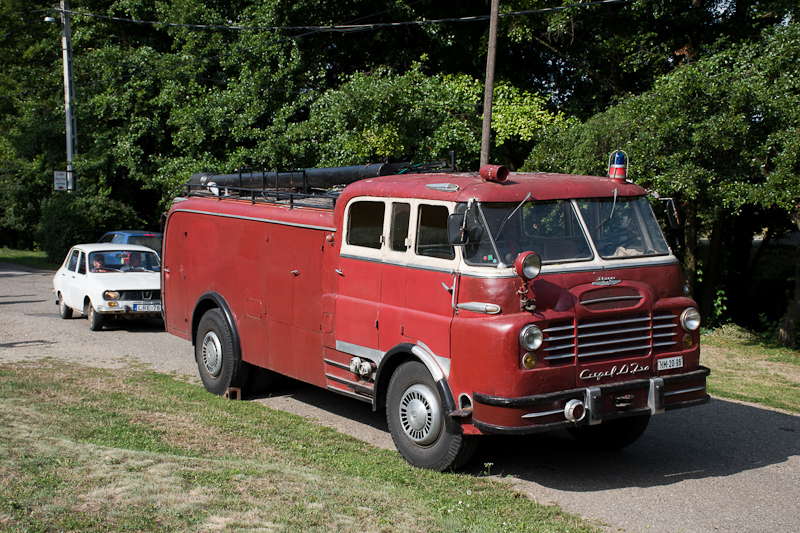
x,y
366,224
401,213
73,260
432,232
82,264
118,238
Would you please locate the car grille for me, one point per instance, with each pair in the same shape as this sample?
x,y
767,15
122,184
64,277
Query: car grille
x,y
140,295
635,335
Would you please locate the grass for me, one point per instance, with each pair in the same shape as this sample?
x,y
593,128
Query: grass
x,y
745,368
27,258
88,449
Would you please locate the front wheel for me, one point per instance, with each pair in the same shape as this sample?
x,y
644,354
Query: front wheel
x,y
95,318
418,423
63,309
613,434
220,367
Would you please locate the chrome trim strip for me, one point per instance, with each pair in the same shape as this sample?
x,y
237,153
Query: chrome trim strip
x,y
615,341
606,352
605,333
559,328
613,322
554,357
256,219
544,413
360,351
684,391
612,299
560,347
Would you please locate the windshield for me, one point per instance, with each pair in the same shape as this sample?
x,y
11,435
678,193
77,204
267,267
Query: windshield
x,y
124,261
623,227
549,228
620,227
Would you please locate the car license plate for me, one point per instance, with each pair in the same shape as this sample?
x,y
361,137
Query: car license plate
x,y
670,362
147,307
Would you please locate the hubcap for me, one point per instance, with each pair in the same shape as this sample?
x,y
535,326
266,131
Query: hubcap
x,y
420,414
212,354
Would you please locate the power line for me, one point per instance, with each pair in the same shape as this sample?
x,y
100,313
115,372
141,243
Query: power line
x,y
345,28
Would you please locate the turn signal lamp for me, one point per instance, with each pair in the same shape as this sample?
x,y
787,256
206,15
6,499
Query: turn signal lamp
x,y
529,360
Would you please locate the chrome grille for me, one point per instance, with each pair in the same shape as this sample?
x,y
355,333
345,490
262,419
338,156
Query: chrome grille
x,y
628,335
560,339
633,335
665,330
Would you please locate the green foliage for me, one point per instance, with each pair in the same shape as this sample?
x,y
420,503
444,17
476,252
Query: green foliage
x,y
71,219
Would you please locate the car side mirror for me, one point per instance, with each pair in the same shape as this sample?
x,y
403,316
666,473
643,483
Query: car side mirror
x,y
457,231
673,217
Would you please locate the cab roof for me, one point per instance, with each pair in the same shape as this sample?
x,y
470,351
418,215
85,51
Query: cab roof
x,y
463,186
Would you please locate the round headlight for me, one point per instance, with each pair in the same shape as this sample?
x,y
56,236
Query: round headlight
x,y
111,295
690,319
531,337
527,265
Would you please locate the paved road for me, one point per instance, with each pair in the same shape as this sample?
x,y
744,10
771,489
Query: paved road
x,y
724,466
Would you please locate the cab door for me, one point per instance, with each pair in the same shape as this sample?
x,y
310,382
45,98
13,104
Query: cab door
x,y
359,276
428,311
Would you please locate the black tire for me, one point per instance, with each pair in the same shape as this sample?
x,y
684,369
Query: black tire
x,y
96,320
219,365
429,441
63,309
259,380
613,434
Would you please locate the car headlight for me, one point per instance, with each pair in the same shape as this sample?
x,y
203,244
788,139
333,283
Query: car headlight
x,y
111,295
690,319
531,337
527,265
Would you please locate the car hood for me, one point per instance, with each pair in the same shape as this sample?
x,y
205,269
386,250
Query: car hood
x,y
129,280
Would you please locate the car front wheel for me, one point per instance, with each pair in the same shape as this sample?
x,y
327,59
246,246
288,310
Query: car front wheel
x,y
63,309
95,319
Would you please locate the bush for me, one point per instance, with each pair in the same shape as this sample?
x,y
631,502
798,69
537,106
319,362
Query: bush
x,y
68,219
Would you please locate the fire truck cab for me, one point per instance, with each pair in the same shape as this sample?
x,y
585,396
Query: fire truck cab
x,y
461,303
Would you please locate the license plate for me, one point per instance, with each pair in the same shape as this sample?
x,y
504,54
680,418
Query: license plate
x,y
670,362
147,307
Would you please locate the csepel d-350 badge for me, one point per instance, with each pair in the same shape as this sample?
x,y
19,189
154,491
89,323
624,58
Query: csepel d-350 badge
x,y
605,281
614,371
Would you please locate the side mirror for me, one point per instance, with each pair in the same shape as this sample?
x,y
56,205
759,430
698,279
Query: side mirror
x,y
673,217
457,232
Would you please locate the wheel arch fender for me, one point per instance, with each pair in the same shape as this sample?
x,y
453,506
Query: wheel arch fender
x,y
212,300
412,352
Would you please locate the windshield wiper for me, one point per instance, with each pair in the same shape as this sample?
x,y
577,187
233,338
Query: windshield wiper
x,y
613,206
503,224
500,263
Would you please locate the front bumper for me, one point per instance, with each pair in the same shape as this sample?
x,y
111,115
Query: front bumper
x,y
545,412
130,308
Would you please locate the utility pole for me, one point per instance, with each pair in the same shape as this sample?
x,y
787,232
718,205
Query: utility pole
x,y
69,95
486,132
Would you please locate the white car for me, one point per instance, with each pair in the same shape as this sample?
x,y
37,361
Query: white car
x,y
109,280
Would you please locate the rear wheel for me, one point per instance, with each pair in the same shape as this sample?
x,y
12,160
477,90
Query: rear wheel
x,y
95,319
220,367
613,434
418,423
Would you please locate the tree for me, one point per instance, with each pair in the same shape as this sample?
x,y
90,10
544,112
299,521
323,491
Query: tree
x,y
719,134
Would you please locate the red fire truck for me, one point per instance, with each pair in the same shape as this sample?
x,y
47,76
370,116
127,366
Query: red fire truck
x,y
462,303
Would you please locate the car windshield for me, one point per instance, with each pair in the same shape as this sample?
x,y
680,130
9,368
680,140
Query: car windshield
x,y
124,261
620,227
